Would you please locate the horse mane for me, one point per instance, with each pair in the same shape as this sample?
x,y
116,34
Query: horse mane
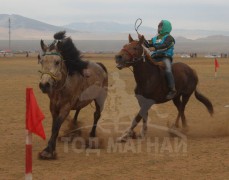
x,y
71,55
161,65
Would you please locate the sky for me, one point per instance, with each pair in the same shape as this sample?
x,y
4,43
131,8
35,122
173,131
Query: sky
x,y
183,14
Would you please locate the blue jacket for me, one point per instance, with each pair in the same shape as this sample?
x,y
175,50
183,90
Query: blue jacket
x,y
163,49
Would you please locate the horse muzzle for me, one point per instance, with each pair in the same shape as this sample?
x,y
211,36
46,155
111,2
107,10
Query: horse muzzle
x,y
119,61
45,87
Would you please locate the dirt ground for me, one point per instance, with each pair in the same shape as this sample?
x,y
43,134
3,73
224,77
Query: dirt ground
x,y
201,153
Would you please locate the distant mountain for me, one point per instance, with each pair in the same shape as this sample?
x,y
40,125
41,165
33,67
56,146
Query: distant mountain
x,y
106,27
23,28
211,44
215,38
196,34
20,22
113,27
26,28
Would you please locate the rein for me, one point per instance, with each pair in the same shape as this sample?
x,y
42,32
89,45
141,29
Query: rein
x,y
64,83
49,73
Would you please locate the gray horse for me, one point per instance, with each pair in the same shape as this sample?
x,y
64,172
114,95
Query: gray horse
x,y
71,84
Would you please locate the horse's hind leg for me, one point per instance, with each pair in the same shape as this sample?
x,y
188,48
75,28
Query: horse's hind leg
x,y
185,99
178,105
97,115
76,116
73,130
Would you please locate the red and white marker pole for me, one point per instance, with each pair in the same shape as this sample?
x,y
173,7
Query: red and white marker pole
x,y
28,156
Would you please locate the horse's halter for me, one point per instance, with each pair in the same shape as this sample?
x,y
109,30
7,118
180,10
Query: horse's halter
x,y
52,75
134,60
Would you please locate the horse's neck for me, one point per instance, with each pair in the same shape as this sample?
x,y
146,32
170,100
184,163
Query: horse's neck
x,y
68,86
146,70
61,85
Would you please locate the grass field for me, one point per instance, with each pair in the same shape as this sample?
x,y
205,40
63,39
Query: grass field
x,y
204,154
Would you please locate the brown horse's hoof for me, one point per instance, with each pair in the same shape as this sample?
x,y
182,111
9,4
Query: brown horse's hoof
x,y
121,140
44,155
127,135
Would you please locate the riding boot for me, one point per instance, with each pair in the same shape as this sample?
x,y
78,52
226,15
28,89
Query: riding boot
x,y
171,85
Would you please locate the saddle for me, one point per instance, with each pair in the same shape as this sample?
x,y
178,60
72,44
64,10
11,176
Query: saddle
x,y
160,64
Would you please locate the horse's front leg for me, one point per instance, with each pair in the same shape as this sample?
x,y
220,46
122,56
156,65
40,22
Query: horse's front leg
x,y
58,118
130,131
145,105
144,126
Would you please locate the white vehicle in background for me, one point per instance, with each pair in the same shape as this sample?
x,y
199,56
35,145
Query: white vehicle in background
x,y
212,56
4,53
185,56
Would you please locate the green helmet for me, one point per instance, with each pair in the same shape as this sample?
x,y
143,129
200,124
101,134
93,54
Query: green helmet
x,y
164,27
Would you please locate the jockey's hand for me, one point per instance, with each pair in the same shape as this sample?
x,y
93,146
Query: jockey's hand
x,y
152,49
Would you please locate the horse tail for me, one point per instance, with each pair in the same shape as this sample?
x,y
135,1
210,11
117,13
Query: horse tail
x,y
105,81
205,101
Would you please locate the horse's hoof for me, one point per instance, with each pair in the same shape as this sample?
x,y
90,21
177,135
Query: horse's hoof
x,y
126,136
121,140
141,136
134,135
44,155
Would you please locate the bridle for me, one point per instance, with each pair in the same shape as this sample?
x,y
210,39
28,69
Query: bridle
x,y
52,75
134,60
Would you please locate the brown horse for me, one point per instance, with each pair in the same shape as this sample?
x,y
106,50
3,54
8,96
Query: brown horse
x,y
152,87
62,79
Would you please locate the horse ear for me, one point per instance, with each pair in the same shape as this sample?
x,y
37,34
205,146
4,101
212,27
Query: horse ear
x,y
43,46
141,39
130,38
53,45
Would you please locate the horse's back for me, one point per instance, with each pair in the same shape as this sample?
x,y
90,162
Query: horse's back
x,y
91,88
181,67
98,72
